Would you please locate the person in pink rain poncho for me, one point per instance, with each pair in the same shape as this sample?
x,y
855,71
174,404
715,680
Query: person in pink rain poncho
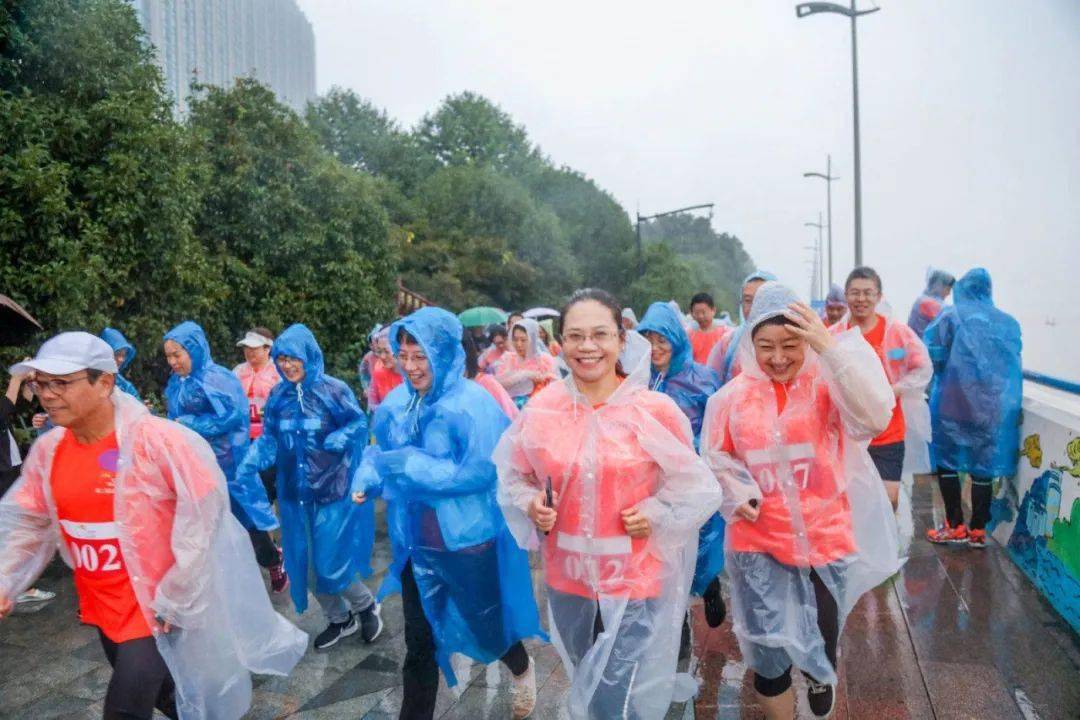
x,y
529,365
810,528
605,468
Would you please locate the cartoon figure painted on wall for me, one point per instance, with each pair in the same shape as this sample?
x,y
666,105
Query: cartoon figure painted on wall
x,y
1032,450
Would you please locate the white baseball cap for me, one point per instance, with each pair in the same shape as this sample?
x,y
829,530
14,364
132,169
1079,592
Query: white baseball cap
x,y
253,340
68,353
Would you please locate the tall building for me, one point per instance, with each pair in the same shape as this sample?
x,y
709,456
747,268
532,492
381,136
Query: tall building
x,y
215,41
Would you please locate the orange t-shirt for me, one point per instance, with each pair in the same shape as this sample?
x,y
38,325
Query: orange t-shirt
x,y
894,433
83,487
702,342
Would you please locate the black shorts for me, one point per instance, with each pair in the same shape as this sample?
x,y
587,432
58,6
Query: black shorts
x,y
889,460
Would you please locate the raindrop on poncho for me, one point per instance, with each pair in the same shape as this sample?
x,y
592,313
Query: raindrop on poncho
x,y
190,562
513,369
932,300
690,385
211,401
311,430
431,462
724,358
118,342
976,394
822,504
633,451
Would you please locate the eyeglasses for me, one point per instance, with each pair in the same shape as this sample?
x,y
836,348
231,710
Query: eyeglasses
x,y
56,387
600,337
286,360
862,294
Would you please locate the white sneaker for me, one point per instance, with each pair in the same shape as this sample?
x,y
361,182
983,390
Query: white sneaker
x,y
33,595
523,692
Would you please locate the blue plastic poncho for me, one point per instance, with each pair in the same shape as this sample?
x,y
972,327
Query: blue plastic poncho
x,y
724,367
976,393
932,300
311,430
211,401
432,464
118,342
690,385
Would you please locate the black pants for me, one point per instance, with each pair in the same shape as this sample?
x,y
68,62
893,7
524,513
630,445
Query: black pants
x,y
140,681
828,621
269,481
266,552
420,670
982,491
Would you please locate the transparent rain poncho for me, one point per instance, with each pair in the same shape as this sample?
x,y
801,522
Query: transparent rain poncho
x,y
118,342
690,385
513,371
311,431
932,300
822,504
190,562
634,451
724,357
210,400
431,462
976,394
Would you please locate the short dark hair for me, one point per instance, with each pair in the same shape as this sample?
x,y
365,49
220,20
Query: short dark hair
x,y
472,366
404,336
496,331
775,320
863,272
92,375
702,297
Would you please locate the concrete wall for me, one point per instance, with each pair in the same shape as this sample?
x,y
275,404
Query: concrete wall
x,y
1036,514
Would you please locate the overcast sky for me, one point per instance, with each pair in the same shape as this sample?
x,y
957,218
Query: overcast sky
x,y
970,130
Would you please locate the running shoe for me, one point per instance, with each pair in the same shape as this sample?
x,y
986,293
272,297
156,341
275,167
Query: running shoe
x,y
947,534
715,610
371,623
821,698
34,596
336,631
279,579
523,693
977,539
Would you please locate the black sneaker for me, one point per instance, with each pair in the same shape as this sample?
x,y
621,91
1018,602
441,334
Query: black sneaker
x,y
371,624
686,640
336,631
821,698
715,610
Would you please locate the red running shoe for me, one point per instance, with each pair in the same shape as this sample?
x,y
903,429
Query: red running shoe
x,y
944,535
977,539
279,579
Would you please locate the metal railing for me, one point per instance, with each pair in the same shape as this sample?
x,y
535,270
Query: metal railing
x,y
1051,381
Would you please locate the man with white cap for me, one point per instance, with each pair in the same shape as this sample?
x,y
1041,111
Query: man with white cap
x,y
138,507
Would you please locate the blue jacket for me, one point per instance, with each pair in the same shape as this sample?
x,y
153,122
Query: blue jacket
x,y
211,401
976,392
118,342
311,431
688,383
432,464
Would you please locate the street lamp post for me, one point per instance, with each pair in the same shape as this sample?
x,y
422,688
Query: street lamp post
x,y
828,177
640,217
812,8
817,254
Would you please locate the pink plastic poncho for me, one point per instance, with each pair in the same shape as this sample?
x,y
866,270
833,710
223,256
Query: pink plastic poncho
x,y
822,504
635,450
189,560
498,392
513,370
257,385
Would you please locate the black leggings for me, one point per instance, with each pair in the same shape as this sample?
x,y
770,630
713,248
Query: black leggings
x,y
420,671
266,552
828,622
982,491
140,681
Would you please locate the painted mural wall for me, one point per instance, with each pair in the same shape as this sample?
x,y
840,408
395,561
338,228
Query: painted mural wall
x,y
1036,514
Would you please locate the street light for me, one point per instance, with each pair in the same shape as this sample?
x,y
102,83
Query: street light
x,y
828,177
640,217
812,8
817,251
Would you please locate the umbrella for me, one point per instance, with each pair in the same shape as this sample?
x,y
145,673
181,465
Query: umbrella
x,y
481,316
541,312
16,325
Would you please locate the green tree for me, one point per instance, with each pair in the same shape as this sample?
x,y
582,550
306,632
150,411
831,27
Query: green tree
x,y
299,237
468,129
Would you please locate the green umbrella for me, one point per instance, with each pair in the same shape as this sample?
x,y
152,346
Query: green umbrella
x,y
481,316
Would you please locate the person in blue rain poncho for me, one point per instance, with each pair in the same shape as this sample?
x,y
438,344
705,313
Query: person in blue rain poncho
x,y
311,427
974,403
690,385
724,356
207,398
124,353
931,302
466,586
